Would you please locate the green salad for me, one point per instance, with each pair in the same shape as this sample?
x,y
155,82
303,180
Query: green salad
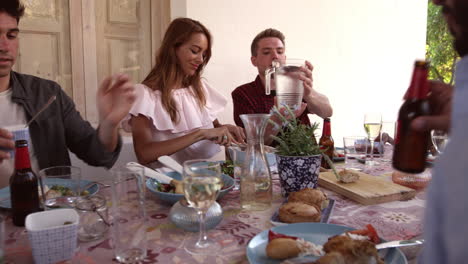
x,y
66,191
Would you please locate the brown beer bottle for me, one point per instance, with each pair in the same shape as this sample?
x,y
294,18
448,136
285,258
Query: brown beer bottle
x,y
23,186
326,142
410,150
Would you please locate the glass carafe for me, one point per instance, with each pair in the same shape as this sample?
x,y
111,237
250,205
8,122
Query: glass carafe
x,y
289,87
255,180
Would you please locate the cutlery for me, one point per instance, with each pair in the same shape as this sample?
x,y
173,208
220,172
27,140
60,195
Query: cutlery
x,y
399,243
171,163
150,173
49,102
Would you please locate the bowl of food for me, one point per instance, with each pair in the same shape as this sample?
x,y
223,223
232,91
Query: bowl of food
x,y
166,192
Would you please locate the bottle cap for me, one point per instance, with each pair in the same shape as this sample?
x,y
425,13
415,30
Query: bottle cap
x,y
21,143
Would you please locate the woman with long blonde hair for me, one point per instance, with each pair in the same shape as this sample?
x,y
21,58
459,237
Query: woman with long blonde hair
x,y
175,111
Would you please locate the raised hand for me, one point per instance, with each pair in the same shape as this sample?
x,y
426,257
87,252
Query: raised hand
x,y
307,78
440,100
115,97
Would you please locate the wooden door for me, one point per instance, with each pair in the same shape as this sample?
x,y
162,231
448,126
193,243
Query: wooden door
x,y
45,42
78,42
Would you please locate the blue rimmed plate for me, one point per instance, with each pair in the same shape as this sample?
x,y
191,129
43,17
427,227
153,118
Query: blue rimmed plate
x,y
317,233
5,192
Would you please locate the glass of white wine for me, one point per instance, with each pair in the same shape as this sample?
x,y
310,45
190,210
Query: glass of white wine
x,y
372,125
202,182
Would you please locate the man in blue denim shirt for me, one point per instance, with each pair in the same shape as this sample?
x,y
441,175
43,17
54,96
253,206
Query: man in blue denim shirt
x,y
445,227
60,127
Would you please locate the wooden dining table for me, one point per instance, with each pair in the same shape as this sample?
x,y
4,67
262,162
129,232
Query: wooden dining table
x,y
393,221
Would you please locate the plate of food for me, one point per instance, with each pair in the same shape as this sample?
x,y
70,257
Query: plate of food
x,y
55,187
306,205
319,240
166,192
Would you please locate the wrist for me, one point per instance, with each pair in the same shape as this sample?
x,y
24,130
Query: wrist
x,y
200,134
108,126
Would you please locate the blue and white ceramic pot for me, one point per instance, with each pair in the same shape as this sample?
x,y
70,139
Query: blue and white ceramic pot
x,y
297,173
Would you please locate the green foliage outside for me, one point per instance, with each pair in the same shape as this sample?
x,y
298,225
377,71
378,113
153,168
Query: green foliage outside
x,y
439,46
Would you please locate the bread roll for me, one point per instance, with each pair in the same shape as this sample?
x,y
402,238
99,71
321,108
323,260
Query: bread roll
x,y
348,176
310,196
282,248
297,212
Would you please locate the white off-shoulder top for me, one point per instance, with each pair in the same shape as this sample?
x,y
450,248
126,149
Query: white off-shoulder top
x,y
191,118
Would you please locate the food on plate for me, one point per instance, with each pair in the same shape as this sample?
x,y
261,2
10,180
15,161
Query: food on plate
x,y
368,232
353,247
348,176
282,248
227,167
297,212
310,196
56,191
170,188
303,206
348,250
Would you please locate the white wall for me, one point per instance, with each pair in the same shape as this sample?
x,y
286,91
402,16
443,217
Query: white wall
x,y
362,50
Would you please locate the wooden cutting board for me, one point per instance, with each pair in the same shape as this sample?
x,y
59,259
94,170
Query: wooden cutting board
x,y
368,189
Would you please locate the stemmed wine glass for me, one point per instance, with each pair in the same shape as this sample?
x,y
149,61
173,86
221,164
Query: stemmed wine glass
x,y
372,125
439,140
202,182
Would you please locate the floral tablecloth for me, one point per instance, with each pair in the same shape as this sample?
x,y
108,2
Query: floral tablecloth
x,y
393,220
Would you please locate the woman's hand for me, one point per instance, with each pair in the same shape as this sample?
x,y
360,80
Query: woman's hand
x,y
220,135
237,133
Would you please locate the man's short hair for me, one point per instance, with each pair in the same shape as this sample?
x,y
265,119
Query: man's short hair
x,y
267,33
13,8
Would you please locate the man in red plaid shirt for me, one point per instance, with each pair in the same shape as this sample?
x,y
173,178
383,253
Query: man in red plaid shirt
x,y
250,98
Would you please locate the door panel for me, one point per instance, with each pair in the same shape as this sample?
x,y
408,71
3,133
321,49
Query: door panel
x,y
45,42
123,38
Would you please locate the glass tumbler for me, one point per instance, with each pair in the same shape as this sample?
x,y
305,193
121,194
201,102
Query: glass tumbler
x,y
128,212
94,219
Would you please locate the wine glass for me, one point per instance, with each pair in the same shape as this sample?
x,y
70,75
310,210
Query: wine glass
x,y
439,140
372,125
202,182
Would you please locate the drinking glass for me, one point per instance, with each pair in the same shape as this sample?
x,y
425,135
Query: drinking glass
x,y
355,148
387,138
128,212
439,140
60,186
94,219
372,125
202,182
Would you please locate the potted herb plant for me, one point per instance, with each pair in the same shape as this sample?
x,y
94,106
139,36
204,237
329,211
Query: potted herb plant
x,y
298,155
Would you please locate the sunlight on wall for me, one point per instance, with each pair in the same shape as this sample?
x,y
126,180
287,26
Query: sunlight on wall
x,y
363,50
